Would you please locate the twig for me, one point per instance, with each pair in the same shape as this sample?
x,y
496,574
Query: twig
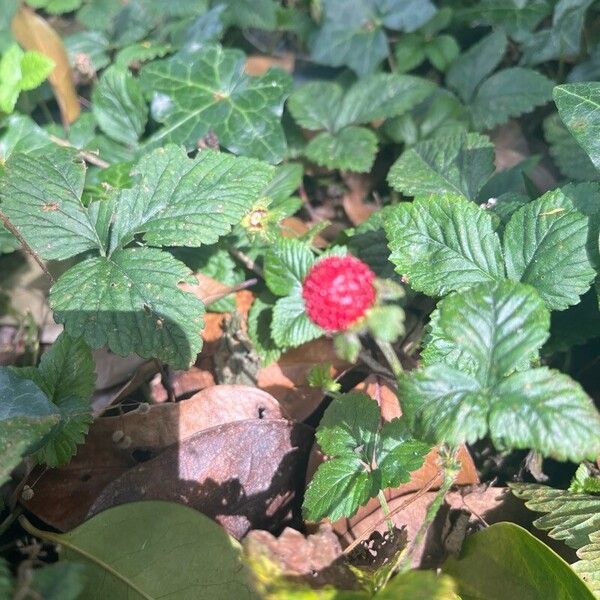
x,y
375,366
89,157
306,201
246,261
238,287
165,380
6,222
390,356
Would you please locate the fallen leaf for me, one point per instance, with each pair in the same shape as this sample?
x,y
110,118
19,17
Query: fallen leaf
x,y
242,474
294,227
184,383
286,379
258,64
315,559
353,199
34,33
62,497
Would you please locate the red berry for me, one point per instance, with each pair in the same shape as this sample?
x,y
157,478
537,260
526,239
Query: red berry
x,y
337,292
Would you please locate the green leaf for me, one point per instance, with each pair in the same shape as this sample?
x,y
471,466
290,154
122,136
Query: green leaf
x,y
495,330
119,106
545,246
84,46
339,487
291,326
442,51
568,155
546,410
22,135
584,481
137,54
259,329
56,7
351,149
386,322
286,264
474,65
59,581
409,52
443,244
579,107
41,195
131,302
150,567
356,37
457,164
506,561
6,580
8,242
209,91
418,585
509,93
571,517
260,14
588,568
26,417
187,202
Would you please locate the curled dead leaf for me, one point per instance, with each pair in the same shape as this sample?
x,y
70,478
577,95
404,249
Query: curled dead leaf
x,y
34,33
258,64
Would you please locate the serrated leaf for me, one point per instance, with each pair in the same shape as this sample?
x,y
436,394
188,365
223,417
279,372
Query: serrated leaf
x,y
571,517
209,91
588,567
547,410
119,106
26,417
398,454
492,327
474,65
130,302
356,37
349,426
545,246
457,164
56,7
259,330
291,326
579,107
351,149
41,195
568,155
509,93
443,244
286,264
338,488
187,202
261,14
22,135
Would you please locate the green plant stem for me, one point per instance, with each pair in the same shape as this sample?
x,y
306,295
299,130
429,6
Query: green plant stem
x,y
390,356
386,511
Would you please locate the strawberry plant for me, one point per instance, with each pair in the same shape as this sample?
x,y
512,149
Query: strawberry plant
x,y
299,298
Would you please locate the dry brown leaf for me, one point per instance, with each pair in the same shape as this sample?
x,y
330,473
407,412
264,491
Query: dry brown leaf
x,y
242,474
184,383
354,198
294,227
116,444
286,378
34,33
257,64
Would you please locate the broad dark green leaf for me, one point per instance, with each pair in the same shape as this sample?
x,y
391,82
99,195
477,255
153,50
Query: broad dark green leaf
x,y
149,567
180,201
458,164
131,302
443,244
545,246
209,91
26,417
579,107
119,106
88,47
41,195
506,561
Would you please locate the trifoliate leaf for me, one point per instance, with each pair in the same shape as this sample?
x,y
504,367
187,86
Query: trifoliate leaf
x,y
187,202
66,375
571,517
579,107
356,37
568,155
474,65
509,93
499,324
351,149
119,106
209,91
545,246
286,264
130,302
443,244
26,417
458,164
588,567
41,195
291,326
442,51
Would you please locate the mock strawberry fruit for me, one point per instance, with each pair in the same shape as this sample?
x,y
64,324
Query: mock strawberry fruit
x,y
337,291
